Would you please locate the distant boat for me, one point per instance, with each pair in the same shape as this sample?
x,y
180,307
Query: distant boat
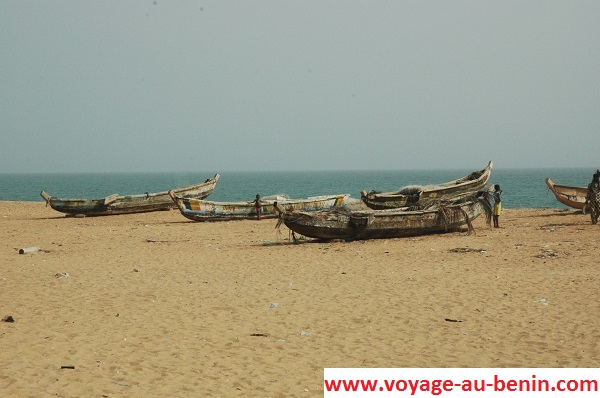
x,y
570,196
414,194
202,210
117,204
441,216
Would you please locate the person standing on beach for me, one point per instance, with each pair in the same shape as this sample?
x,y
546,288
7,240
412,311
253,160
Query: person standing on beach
x,y
593,197
258,206
497,205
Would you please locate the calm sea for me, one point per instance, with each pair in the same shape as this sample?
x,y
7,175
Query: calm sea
x,y
523,188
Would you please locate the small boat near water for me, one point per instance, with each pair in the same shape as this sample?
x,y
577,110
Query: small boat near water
x,y
126,204
202,210
415,194
441,216
570,196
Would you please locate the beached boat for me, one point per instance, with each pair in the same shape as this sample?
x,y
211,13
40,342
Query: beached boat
x,y
125,204
570,196
442,216
202,210
414,194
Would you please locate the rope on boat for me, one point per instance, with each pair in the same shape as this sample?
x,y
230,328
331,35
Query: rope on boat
x,y
487,207
453,215
280,211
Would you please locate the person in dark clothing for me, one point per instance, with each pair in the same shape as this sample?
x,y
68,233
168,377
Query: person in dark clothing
x,y
497,205
258,206
593,197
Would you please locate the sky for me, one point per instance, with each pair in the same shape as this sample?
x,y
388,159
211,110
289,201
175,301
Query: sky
x,y
215,86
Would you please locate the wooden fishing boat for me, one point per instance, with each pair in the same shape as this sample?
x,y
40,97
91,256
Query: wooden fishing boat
x,y
570,196
414,194
125,204
441,216
202,210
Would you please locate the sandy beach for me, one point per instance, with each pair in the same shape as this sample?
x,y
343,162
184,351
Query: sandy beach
x,y
149,305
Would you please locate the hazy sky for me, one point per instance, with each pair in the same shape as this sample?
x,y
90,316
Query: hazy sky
x,y
298,85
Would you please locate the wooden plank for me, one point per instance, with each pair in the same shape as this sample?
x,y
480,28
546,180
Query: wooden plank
x,y
110,199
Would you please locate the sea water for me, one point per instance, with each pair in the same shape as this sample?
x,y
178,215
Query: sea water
x,y
522,188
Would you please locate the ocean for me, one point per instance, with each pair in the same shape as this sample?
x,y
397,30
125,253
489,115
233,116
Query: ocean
x,y
522,188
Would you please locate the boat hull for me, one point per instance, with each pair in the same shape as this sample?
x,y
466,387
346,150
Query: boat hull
x,y
422,195
569,196
201,210
127,204
396,223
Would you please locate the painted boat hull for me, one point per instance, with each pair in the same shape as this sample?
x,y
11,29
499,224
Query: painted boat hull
x,y
127,204
569,196
201,210
392,200
396,223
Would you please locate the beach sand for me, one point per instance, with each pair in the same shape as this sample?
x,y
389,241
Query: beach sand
x,y
149,305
